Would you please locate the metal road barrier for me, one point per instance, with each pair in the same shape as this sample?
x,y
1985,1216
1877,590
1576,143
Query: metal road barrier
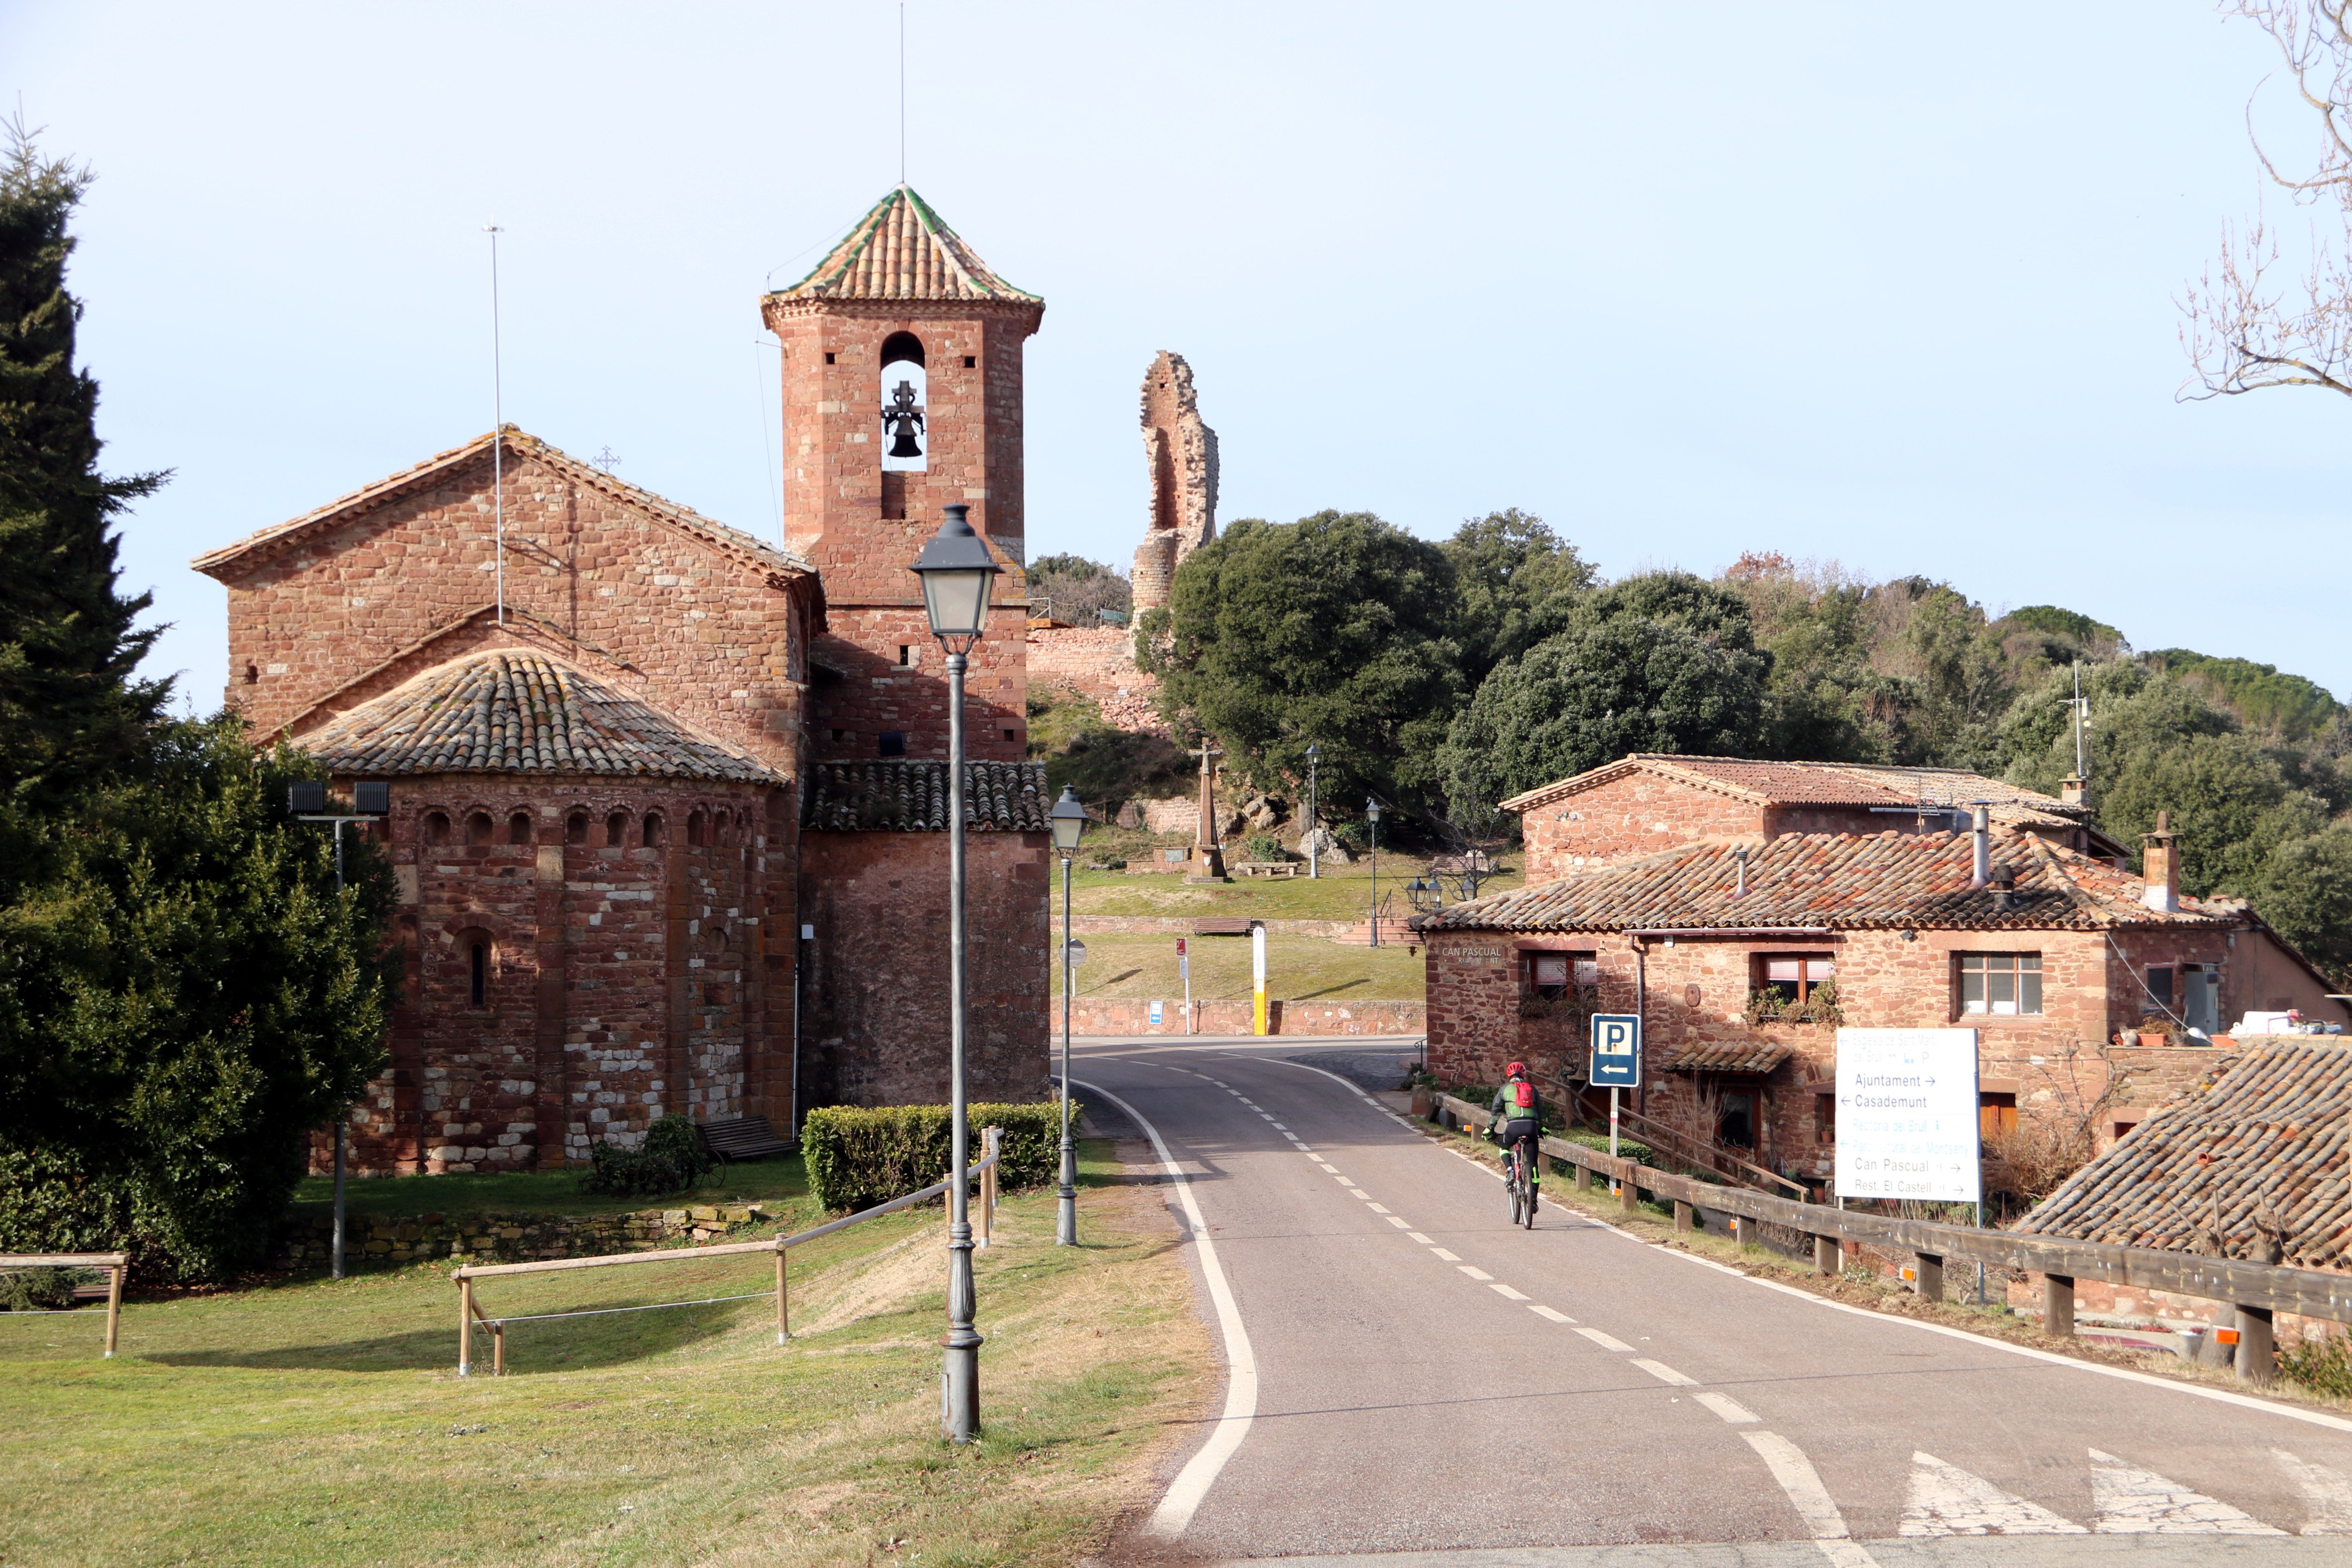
x,y
2257,1290
470,1312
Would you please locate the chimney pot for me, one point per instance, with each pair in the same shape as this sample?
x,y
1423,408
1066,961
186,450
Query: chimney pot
x,y
2160,867
2072,791
1980,867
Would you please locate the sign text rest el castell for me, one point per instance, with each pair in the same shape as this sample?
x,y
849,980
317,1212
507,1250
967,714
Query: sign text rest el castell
x,y
1906,1114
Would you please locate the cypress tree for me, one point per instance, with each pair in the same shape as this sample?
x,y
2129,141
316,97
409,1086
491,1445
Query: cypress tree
x,y
72,708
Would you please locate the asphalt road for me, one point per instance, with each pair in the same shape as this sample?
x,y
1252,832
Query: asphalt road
x,y
1409,1374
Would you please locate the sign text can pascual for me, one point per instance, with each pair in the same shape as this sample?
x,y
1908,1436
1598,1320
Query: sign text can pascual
x,y
1907,1115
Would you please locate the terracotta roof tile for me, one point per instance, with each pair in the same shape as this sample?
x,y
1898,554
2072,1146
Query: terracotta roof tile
x,y
1837,881
907,795
2264,1137
901,250
515,711
1738,1056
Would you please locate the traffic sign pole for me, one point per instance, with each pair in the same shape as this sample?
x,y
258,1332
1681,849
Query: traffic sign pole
x,y
1616,1061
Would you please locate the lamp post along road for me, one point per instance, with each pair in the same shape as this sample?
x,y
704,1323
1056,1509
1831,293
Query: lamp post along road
x,y
306,801
1069,821
957,571
1314,822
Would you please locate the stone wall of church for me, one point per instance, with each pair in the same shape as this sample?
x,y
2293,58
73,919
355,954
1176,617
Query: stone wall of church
x,y
354,610
874,1002
629,935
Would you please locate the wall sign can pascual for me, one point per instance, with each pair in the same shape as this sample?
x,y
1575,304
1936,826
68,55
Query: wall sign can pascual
x,y
1907,1115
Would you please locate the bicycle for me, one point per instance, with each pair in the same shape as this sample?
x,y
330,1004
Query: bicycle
x,y
1515,1179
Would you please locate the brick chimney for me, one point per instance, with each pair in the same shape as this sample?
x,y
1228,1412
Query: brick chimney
x,y
2073,791
2160,866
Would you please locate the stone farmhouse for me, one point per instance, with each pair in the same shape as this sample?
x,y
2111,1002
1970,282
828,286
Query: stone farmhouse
x,y
1782,910
668,798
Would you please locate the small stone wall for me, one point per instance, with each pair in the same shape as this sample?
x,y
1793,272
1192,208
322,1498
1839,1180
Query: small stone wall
x,y
1118,1016
509,1237
1182,925
1097,662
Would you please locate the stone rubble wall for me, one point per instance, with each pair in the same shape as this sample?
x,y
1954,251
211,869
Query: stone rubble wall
x,y
1114,1015
1097,662
511,1237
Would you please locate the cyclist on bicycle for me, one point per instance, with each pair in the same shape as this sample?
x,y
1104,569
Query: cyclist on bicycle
x,y
1518,1119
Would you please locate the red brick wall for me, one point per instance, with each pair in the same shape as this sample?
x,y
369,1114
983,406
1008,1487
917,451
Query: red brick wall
x,y
699,631
2059,1064
1637,815
623,983
874,1027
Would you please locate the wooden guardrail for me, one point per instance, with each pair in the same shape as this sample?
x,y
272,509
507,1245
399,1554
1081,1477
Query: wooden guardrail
x,y
2257,1290
470,1312
116,1263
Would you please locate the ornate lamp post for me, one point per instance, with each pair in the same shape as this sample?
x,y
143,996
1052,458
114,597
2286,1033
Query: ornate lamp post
x,y
1373,814
1069,820
957,572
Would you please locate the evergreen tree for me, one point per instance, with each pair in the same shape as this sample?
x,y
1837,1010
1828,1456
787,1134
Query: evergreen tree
x,y
71,705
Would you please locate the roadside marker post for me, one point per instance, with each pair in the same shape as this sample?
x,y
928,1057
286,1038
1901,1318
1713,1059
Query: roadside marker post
x,y
1616,1061
1184,968
1257,977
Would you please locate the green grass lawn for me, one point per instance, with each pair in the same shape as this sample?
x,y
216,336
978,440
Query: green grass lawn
x,y
1341,893
777,1184
1298,968
320,1422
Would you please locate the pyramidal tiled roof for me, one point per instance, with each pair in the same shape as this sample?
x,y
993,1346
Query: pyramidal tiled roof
x,y
1837,881
901,250
2259,1144
911,795
516,711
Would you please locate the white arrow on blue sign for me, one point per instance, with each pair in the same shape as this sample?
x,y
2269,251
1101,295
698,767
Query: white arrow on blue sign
x,y
1616,1051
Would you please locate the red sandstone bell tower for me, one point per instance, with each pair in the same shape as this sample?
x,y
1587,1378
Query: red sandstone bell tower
x,y
903,300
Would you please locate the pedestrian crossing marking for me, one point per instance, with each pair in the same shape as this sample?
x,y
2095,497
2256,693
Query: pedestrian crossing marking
x,y
2327,1493
2133,1501
1946,1500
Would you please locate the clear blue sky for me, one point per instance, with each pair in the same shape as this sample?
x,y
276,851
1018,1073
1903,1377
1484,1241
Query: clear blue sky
x,y
1891,285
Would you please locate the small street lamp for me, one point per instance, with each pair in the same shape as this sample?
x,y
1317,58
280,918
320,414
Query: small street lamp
x,y
1313,825
306,801
957,572
1427,897
1372,813
1068,818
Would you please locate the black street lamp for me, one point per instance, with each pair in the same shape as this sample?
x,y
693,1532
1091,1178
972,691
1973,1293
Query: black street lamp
x,y
1427,897
1314,824
957,572
1372,813
1069,822
306,801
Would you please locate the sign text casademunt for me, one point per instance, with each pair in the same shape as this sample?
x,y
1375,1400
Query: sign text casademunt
x,y
1906,1114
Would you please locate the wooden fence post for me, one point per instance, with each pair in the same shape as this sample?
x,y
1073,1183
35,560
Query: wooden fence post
x,y
114,1305
1628,1194
783,1318
464,1327
1583,1178
2057,1304
1931,1276
2257,1350
498,1348
1828,1257
1684,1214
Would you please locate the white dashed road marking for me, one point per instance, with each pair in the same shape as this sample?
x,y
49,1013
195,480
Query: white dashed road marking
x,y
1665,1373
1449,1256
1557,1317
1506,1291
1603,1341
1475,1272
1421,1238
1730,1409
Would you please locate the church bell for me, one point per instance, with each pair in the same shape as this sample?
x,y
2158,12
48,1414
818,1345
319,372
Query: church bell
x,y
902,444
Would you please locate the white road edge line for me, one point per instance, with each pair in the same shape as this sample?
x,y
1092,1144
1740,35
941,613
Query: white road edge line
x,y
1193,1482
1804,1483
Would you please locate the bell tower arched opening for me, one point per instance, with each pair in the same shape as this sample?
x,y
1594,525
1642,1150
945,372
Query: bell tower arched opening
x,y
905,394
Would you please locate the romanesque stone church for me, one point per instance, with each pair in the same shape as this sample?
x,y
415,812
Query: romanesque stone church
x,y
669,800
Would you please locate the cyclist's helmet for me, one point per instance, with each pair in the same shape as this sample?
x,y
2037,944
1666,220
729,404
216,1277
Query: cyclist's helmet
x,y
1516,1069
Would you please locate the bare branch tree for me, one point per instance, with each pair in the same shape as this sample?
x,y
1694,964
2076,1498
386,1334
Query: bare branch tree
x,y
2244,327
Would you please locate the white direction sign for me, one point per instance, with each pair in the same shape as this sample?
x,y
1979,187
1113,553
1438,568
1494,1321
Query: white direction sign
x,y
1906,1114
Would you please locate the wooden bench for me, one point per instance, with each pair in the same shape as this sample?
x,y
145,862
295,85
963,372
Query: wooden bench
x,y
1264,869
1223,925
734,1138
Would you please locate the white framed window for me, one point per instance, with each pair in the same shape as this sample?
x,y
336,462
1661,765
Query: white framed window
x,y
2001,984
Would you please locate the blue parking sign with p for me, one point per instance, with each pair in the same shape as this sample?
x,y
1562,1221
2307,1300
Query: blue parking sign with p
x,y
1616,1051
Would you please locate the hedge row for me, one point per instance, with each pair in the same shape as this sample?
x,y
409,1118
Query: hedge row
x,y
860,1157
